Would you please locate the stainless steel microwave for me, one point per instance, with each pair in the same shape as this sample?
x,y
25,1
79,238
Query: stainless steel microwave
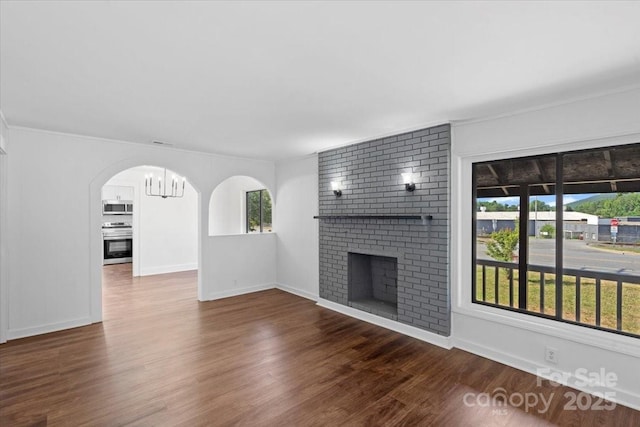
x,y
117,207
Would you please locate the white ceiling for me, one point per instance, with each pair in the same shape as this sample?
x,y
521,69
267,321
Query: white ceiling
x,y
283,79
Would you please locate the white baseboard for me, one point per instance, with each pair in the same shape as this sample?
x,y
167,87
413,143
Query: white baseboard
x,y
13,334
623,397
240,291
163,269
258,288
421,334
298,292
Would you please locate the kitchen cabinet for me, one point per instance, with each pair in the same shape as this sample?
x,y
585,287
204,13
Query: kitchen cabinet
x,y
117,192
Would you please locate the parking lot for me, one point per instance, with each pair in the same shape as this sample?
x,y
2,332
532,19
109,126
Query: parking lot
x,y
578,255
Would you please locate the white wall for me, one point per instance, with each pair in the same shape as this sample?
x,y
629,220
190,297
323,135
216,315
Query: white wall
x,y
516,339
4,276
168,233
297,241
55,260
228,203
243,263
165,232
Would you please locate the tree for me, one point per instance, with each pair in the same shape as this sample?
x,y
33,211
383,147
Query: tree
x,y
266,210
548,231
503,243
255,199
253,210
494,206
542,206
623,204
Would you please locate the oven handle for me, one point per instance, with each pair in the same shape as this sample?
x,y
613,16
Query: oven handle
x,y
116,237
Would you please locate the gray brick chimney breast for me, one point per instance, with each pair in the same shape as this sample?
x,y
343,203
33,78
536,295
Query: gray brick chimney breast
x,y
371,181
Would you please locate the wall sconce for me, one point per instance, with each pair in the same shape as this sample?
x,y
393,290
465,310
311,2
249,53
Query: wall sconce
x,y
335,186
407,179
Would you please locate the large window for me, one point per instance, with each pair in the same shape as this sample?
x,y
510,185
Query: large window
x,y
558,236
258,211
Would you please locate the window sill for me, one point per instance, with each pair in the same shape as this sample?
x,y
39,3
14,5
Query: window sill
x,y
601,339
242,234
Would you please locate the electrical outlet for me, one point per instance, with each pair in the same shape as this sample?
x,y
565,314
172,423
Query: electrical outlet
x,y
551,354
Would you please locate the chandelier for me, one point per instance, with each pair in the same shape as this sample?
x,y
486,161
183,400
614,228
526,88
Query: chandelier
x,y
174,190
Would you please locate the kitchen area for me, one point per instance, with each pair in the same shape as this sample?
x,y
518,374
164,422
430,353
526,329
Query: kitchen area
x,y
117,229
149,222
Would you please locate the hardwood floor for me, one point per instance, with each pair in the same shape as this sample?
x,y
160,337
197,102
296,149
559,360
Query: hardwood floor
x,y
265,359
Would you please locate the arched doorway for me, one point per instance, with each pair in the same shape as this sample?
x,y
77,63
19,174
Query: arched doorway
x,y
165,230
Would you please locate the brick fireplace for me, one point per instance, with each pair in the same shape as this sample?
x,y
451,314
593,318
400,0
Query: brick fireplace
x,y
379,252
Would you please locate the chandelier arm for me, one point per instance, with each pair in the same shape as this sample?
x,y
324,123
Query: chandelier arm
x,y
174,190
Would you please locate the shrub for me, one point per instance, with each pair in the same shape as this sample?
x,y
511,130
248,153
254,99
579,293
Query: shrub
x,y
548,231
503,243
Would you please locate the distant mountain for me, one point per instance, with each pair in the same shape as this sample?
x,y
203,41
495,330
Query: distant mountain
x,y
610,205
595,198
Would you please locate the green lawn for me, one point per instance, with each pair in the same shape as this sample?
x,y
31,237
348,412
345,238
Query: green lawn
x,y
630,298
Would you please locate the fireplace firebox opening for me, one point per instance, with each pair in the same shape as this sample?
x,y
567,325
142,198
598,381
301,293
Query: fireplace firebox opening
x,y
373,284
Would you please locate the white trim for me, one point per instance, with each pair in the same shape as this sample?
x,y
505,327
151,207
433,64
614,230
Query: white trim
x,y
461,250
240,291
579,334
430,337
547,105
137,144
162,269
45,329
4,250
264,233
623,397
550,147
259,288
297,292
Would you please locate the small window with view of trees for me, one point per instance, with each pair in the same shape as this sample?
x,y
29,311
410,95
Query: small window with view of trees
x,y
258,211
558,236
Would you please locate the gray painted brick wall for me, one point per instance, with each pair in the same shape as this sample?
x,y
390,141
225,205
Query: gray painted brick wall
x,y
370,173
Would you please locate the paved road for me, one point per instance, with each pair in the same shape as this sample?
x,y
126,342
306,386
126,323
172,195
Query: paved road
x,y
579,256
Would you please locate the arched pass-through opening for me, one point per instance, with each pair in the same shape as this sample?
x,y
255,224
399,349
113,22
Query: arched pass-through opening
x,y
241,245
240,205
165,231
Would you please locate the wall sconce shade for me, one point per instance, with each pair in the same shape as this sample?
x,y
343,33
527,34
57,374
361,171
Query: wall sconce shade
x,y
407,180
336,187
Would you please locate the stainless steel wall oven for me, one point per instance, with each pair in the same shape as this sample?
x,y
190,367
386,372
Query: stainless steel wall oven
x,y
117,240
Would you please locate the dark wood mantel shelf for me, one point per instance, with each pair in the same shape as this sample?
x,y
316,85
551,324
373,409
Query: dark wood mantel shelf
x,y
421,217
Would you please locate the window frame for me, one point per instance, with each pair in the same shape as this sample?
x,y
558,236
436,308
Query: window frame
x,y
260,208
521,303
